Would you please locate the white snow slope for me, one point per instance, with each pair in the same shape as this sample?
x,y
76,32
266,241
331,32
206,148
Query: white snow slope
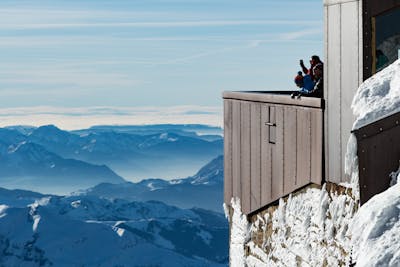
x,y
90,231
376,230
320,228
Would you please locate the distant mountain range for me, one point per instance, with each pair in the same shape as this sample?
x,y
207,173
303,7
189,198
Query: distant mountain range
x,y
203,190
86,230
28,165
47,158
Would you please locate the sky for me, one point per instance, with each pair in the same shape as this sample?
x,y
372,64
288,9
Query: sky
x,y
119,54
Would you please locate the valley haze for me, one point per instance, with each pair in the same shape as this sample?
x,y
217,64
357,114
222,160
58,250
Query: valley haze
x,y
50,160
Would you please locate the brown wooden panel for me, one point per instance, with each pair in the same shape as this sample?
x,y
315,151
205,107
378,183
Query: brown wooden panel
x,y
227,151
255,201
303,147
316,146
290,148
245,147
378,157
236,161
277,156
378,154
266,158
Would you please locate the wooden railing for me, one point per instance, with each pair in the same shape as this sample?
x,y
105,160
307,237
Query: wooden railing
x,y
273,145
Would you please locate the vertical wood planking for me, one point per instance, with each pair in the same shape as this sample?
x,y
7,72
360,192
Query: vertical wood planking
x,y
255,201
333,160
316,146
227,151
259,171
290,149
266,158
303,147
236,161
277,156
349,70
245,149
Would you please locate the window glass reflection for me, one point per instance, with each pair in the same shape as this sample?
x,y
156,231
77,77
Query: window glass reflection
x,y
387,38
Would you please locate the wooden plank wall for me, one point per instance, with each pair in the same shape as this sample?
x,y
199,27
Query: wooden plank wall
x,y
228,178
343,74
378,150
255,161
270,151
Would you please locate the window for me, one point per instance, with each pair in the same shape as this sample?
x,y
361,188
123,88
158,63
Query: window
x,y
385,39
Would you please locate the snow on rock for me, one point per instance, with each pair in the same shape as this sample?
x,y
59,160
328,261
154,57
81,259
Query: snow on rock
x,y
239,235
75,204
377,97
395,177
306,229
351,166
376,230
226,211
3,209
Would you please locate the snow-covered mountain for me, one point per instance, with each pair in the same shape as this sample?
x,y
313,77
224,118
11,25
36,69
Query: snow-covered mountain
x,y
92,231
134,152
46,157
27,165
203,190
205,132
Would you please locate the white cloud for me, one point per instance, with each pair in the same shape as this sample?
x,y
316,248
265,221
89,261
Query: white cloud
x,y
158,24
79,118
300,34
61,76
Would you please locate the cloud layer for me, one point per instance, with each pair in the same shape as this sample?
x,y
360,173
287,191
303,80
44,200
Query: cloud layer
x,y
80,118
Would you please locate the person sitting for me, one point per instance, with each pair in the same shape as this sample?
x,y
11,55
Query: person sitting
x,y
318,90
305,84
315,60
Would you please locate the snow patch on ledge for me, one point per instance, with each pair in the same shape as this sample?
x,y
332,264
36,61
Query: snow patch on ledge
x,y
377,97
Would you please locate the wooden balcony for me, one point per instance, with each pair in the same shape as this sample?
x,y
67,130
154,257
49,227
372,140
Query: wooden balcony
x,y
273,145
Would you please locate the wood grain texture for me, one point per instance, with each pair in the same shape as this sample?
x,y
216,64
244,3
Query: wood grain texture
x,y
290,148
316,146
227,151
303,147
277,156
236,152
245,148
256,136
266,158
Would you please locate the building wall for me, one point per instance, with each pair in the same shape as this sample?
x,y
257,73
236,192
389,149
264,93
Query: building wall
x,y
343,75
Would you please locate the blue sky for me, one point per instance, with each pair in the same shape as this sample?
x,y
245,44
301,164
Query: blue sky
x,y
164,53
